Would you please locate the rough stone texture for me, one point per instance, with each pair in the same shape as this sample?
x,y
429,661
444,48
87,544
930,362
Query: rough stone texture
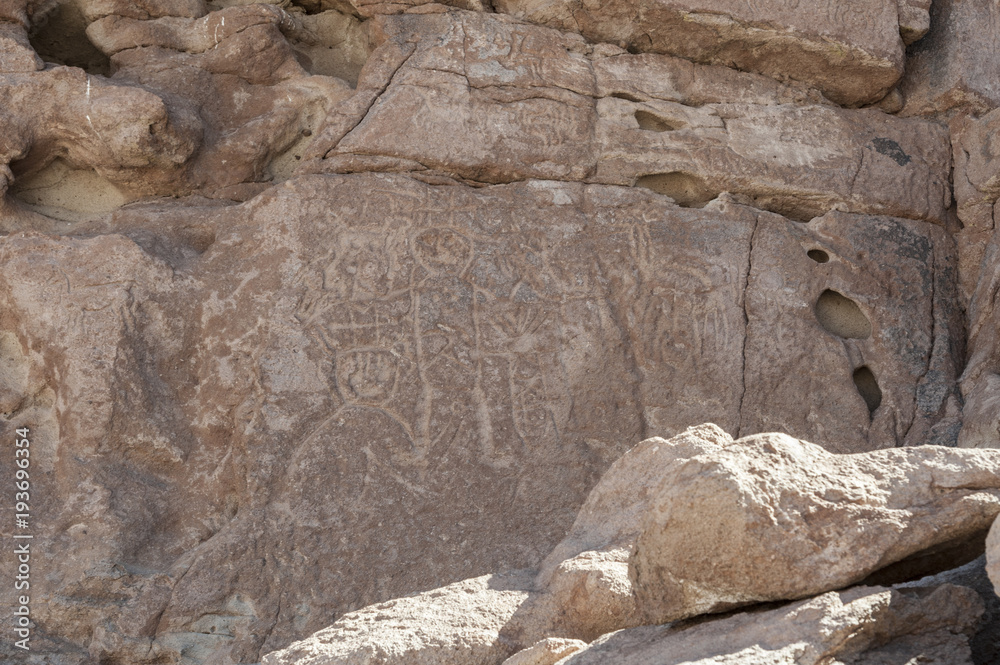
x,y
862,625
985,643
777,518
456,625
930,618
547,652
956,67
490,363
491,100
976,146
853,55
317,304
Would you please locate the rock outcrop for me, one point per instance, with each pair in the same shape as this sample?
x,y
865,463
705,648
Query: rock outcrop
x,y
312,304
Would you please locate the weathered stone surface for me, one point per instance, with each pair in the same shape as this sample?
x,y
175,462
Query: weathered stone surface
x,y
776,519
854,56
456,625
985,643
432,364
897,354
956,67
491,100
547,652
861,625
976,145
250,420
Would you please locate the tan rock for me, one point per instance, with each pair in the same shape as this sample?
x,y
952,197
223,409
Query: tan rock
x,y
777,518
547,652
16,54
957,65
447,105
860,625
854,56
826,283
456,625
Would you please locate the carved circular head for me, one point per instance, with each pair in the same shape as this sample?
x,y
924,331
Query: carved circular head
x,y
442,250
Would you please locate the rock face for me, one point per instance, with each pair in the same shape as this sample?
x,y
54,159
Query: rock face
x,y
314,304
559,109
956,66
854,56
977,189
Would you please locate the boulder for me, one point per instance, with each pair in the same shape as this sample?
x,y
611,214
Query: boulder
x,y
860,625
772,518
456,625
547,652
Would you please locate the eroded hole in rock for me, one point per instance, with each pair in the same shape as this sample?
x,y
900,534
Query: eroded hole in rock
x,y
626,96
60,37
687,190
818,255
841,316
654,123
868,388
63,192
336,44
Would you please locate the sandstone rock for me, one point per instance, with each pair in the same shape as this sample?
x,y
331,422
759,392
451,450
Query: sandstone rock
x,y
776,520
985,643
16,54
429,363
956,67
586,579
547,652
854,56
455,625
123,133
860,625
446,105
976,145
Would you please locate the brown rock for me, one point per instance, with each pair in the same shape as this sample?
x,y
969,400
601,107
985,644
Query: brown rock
x,y
447,105
776,519
123,133
855,57
431,363
957,65
976,145
861,625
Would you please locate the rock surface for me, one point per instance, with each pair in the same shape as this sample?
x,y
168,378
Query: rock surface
x,y
854,56
456,625
554,110
976,145
956,67
777,518
313,304
910,500
862,625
